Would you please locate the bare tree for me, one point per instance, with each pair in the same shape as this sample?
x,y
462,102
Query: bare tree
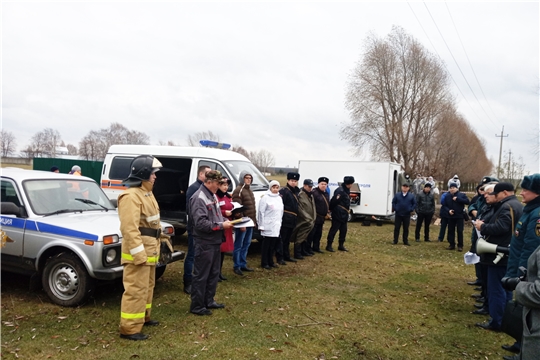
x,y
395,98
8,144
167,143
72,149
193,140
239,149
95,144
262,159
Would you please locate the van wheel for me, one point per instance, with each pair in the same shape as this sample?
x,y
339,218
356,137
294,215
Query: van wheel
x,y
66,281
351,217
160,270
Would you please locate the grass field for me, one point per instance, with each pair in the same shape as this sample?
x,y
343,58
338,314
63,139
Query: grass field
x,y
377,301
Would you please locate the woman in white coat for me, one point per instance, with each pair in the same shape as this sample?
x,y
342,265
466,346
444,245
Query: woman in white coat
x,y
269,217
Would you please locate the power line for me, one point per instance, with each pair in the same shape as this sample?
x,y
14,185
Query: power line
x,y
467,55
452,54
442,61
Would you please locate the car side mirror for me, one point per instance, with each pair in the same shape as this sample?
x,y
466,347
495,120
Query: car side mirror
x,y
9,208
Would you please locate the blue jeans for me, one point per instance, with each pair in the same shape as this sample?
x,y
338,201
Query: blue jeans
x,y
189,259
242,240
497,295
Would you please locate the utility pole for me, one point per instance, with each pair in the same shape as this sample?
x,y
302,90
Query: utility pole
x,y
500,151
509,162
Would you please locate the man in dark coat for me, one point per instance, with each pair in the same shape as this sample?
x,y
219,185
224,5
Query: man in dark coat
x,y
188,261
455,202
498,230
425,208
403,204
340,205
306,218
322,208
208,227
289,194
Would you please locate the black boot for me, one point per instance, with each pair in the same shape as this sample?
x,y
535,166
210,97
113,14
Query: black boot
x,y
298,252
341,246
187,287
305,249
329,247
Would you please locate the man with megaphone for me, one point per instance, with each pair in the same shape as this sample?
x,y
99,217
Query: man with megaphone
x,y
498,231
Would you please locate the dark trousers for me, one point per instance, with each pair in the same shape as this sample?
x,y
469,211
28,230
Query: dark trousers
x,y
206,268
405,220
444,224
314,237
498,296
424,219
283,252
267,250
337,225
454,224
188,260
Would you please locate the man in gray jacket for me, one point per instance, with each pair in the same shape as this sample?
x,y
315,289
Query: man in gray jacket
x,y
425,208
208,226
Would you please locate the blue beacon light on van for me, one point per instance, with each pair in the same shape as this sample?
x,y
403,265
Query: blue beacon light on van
x,y
214,144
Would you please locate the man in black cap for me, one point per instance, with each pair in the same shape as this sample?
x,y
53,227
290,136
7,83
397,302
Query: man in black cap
x,y
498,230
455,202
289,194
425,208
403,204
304,223
340,206
322,209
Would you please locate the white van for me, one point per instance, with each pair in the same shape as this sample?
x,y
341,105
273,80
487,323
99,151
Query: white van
x,y
180,165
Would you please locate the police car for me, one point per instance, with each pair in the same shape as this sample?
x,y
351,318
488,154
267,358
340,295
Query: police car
x,y
65,230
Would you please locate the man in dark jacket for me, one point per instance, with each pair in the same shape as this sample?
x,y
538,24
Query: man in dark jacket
x,y
455,202
498,230
340,206
425,208
322,207
403,204
188,261
208,226
304,223
289,194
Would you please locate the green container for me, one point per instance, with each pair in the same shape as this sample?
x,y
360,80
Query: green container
x,y
91,169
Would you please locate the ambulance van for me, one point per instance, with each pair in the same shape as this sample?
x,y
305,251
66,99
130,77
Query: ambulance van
x,y
180,165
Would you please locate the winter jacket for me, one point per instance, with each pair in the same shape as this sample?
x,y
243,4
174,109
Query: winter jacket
x,y
457,205
225,204
244,196
189,193
322,205
425,203
526,238
207,219
341,203
137,208
269,214
528,294
498,230
443,213
289,195
403,205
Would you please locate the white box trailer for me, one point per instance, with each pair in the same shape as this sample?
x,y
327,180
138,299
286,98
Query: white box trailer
x,y
377,181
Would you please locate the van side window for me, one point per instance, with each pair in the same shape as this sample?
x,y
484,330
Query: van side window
x,y
221,169
120,168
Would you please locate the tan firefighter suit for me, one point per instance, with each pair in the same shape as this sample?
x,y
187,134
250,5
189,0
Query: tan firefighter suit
x,y
139,212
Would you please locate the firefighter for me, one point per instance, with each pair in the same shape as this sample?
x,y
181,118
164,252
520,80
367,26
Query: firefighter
x,y
141,229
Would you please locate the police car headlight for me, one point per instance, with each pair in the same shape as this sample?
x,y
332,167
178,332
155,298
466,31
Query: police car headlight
x,y
110,256
110,239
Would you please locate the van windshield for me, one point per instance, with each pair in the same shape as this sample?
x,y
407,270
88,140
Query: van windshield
x,y
236,167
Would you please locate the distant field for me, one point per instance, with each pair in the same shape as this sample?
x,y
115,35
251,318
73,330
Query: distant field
x,y
22,166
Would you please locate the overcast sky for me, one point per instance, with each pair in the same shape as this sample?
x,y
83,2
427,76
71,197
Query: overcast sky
x,y
263,75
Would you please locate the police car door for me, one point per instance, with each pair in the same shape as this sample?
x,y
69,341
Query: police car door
x,y
12,225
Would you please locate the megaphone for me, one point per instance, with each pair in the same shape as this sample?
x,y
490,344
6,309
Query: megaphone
x,y
483,247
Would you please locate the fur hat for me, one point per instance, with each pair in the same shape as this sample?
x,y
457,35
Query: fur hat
x,y
531,183
487,179
293,176
323,179
274,182
348,180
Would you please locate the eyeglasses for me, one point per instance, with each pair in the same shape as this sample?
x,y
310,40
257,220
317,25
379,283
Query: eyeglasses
x,y
248,178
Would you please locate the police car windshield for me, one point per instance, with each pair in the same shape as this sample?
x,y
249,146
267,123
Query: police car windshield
x,y
259,182
56,196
